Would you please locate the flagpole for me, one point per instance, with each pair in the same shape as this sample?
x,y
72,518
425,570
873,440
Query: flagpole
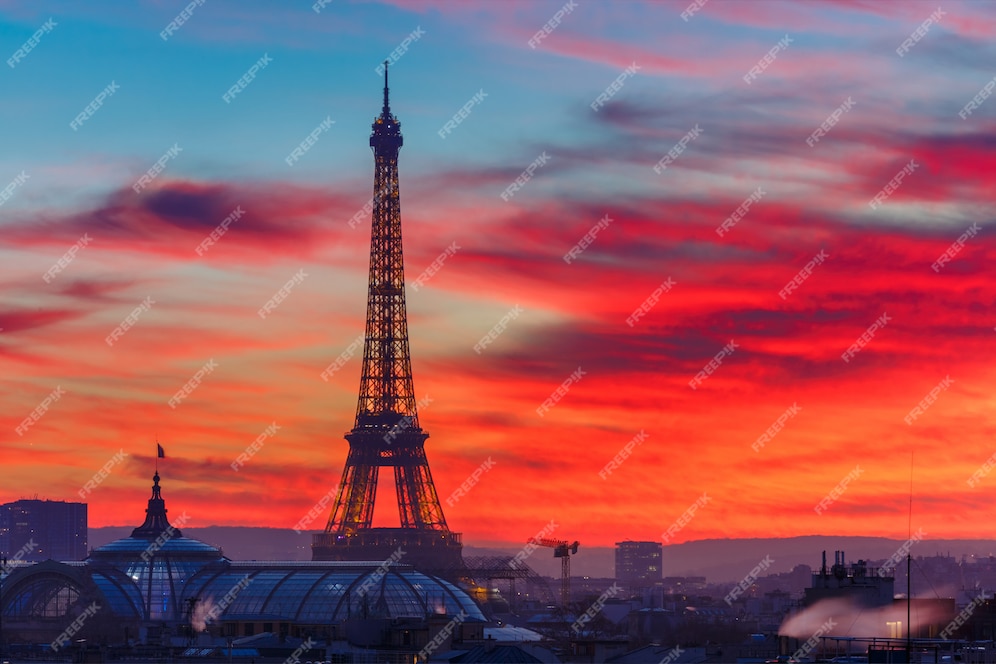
x,y
157,453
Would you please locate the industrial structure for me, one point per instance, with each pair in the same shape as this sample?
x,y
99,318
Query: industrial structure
x,y
564,550
386,433
867,586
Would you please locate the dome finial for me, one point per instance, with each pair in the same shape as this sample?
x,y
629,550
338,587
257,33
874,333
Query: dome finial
x,y
155,515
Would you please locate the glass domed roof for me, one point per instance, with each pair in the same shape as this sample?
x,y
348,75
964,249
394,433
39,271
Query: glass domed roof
x,y
152,566
157,538
158,575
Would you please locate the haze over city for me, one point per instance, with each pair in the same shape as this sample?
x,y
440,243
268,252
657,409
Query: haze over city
x,y
763,308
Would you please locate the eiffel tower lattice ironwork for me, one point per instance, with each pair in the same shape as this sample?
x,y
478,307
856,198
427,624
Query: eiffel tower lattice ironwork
x,y
387,432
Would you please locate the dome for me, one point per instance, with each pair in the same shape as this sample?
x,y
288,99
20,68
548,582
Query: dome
x,y
146,574
158,576
325,592
157,538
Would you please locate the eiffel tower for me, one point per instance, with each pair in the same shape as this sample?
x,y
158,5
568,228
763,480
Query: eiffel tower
x,y
387,431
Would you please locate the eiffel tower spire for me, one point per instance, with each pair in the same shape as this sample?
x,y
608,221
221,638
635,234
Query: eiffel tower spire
x,y
386,433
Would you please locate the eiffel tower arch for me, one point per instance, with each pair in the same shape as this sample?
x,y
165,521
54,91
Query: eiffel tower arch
x,y
387,433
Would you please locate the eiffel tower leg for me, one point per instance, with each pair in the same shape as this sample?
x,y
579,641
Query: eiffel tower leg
x,y
354,504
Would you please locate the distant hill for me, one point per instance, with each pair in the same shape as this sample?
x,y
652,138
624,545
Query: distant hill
x,y
718,560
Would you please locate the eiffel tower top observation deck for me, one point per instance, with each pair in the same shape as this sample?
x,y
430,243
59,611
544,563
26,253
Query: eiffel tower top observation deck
x,y
387,431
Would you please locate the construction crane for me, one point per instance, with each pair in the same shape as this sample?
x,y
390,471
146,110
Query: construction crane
x,y
564,551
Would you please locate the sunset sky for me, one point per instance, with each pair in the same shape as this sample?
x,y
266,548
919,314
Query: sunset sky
x,y
64,187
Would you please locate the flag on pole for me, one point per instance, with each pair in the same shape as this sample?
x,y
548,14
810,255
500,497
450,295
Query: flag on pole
x,y
161,454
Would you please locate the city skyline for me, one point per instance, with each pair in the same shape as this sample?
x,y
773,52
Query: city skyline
x,y
725,248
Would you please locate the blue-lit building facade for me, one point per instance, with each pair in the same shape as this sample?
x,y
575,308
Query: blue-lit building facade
x,y
159,587
36,530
